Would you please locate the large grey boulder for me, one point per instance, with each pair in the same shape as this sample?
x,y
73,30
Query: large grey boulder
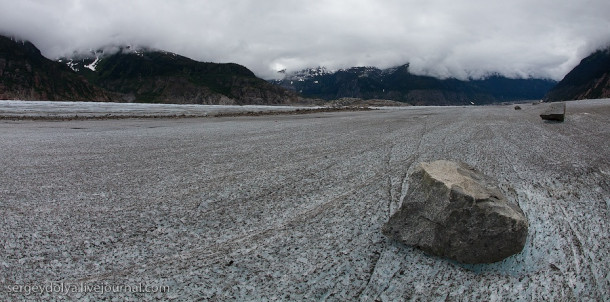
x,y
452,210
555,112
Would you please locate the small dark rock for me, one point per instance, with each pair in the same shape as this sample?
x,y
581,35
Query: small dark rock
x,y
517,107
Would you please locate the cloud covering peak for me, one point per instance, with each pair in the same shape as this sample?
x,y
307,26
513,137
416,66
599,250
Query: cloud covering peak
x,y
516,38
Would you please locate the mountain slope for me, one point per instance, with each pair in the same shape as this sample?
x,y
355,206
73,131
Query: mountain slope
x,y
588,80
130,75
27,75
401,85
163,77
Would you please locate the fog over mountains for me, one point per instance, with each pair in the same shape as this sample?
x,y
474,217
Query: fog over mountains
x,y
130,75
400,84
517,38
137,74
422,52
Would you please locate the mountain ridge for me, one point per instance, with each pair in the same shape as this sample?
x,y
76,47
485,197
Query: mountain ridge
x,y
398,83
130,75
156,76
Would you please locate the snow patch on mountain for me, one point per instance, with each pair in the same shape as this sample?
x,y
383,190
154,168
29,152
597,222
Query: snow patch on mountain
x,y
307,74
90,59
93,65
72,65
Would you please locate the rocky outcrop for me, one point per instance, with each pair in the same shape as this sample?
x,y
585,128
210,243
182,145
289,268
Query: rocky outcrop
x,y
454,211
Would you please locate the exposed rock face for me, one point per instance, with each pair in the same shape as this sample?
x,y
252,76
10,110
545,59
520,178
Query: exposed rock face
x,y
555,112
454,211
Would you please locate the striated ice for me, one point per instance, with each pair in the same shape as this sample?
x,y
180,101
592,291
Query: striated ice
x,y
290,207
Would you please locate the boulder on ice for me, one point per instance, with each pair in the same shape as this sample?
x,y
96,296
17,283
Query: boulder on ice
x,y
555,112
452,210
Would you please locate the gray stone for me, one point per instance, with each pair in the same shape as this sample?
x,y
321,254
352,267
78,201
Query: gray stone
x,y
452,210
555,112
517,107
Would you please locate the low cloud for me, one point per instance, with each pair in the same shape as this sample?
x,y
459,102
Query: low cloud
x,y
461,39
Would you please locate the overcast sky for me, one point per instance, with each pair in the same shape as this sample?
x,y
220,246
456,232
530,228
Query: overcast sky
x,y
540,38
